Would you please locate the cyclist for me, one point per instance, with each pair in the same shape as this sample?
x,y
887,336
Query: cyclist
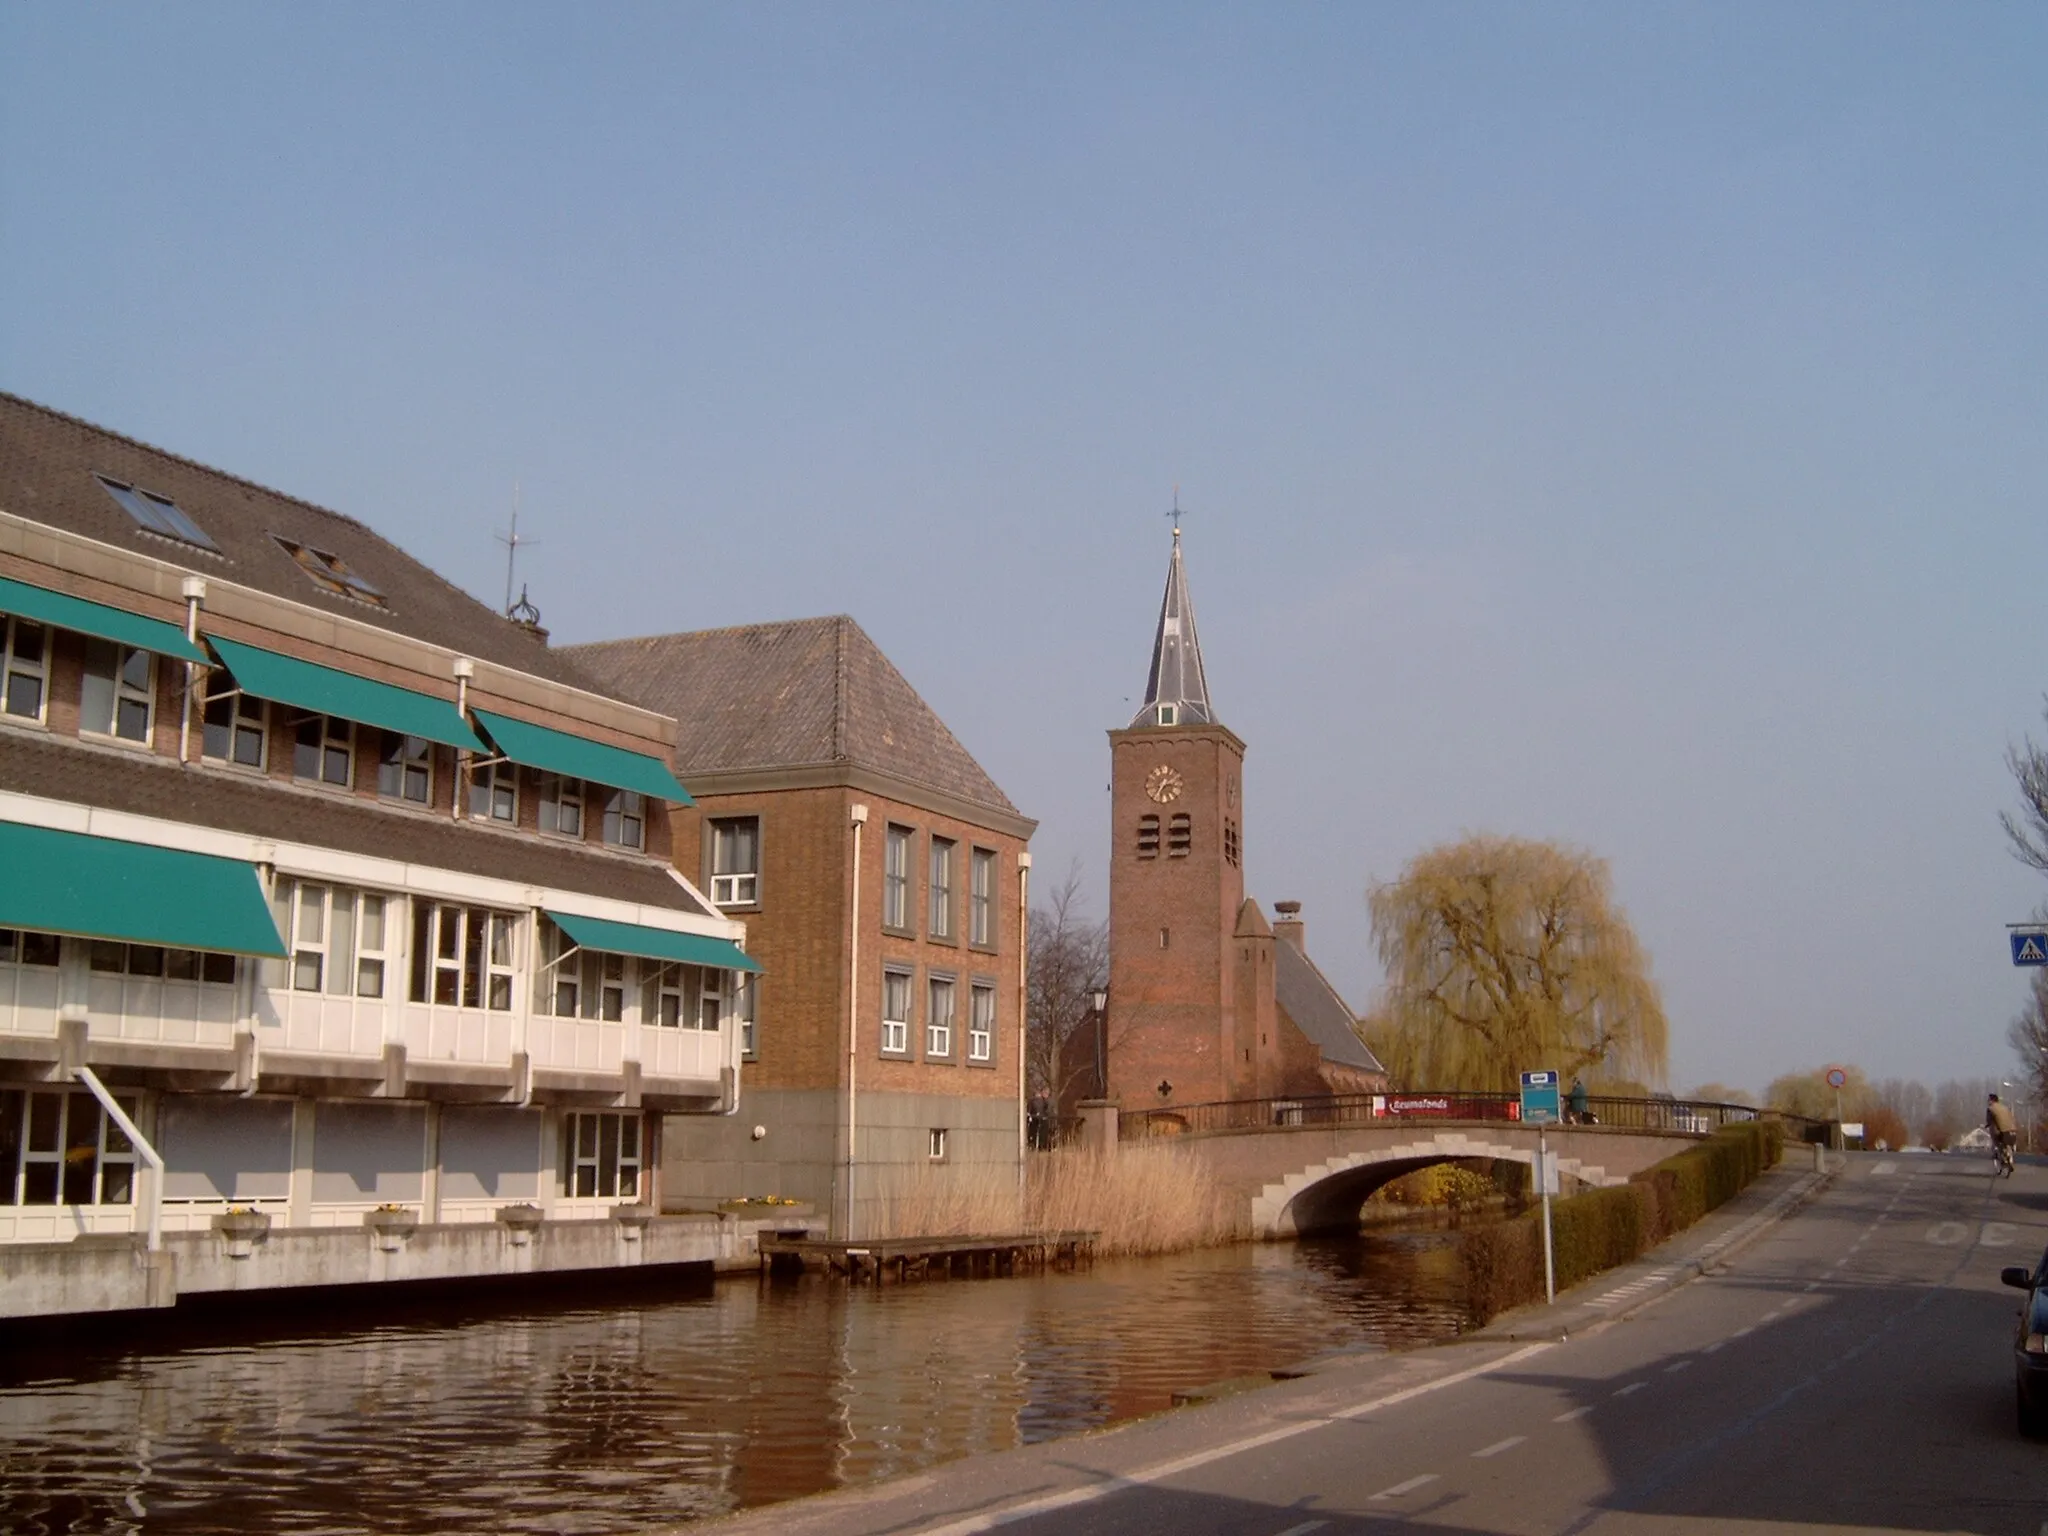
x,y
1998,1121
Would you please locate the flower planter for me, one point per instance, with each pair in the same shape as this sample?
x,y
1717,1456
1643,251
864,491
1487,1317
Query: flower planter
x,y
520,1222
242,1230
632,1220
392,1226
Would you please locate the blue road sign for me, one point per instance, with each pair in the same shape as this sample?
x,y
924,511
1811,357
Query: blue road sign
x,y
2027,949
1539,1099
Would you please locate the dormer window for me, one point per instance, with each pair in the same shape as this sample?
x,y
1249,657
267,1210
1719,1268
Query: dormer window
x,y
157,514
1169,714
330,573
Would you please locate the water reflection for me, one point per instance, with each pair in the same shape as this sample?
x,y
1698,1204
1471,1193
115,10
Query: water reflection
x,y
615,1418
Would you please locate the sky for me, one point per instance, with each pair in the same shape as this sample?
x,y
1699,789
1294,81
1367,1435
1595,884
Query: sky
x,y
1612,423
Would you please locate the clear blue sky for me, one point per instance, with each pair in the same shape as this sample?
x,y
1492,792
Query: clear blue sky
x,y
1617,423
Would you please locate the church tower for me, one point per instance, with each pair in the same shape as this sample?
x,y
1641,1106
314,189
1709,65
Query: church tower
x,y
1178,994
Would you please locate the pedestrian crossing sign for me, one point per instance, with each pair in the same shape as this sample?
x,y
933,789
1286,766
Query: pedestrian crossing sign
x,y
2029,948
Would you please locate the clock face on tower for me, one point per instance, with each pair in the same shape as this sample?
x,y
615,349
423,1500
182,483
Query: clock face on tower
x,y
1163,784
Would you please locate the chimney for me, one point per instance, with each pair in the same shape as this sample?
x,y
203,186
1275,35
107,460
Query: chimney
x,y
1287,925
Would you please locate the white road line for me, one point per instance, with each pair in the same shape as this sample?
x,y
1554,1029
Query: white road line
x,y
1718,1343
1576,1413
1410,1486
1742,1333
1302,1529
1498,1446
972,1525
1634,1386
1678,1365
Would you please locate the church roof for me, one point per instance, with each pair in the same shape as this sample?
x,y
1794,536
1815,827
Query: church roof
x,y
800,694
1177,692
1306,996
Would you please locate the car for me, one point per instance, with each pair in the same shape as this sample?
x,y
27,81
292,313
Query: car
x,y
2030,1347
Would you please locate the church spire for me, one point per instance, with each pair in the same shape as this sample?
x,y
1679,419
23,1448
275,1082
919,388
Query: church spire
x,y
1177,692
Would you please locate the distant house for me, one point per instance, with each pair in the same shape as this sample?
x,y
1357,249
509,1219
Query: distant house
x,y
347,895
882,876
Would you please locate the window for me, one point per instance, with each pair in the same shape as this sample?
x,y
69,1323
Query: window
x,y
112,958
601,1155
661,996
494,793
19,946
935,1144
159,514
896,878
561,805
896,1013
330,573
736,861
323,751
1231,848
1166,938
746,1002
336,938
118,694
981,898
981,1023
405,768
1148,837
59,1148
24,668
938,1017
625,819
941,889
1179,836
461,957
236,727
591,984
1169,714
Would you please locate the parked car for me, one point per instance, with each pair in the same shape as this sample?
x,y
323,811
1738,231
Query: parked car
x,y
2030,1347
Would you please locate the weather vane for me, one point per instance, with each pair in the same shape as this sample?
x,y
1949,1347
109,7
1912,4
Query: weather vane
x,y
1175,513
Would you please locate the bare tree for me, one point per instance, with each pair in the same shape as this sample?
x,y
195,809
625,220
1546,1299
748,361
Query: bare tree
x,y
1069,964
2029,829
2029,1037
1505,955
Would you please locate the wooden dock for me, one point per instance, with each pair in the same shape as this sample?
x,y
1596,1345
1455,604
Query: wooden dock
x,y
924,1258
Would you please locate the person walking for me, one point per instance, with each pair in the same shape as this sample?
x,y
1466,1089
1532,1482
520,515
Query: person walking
x,y
1577,1100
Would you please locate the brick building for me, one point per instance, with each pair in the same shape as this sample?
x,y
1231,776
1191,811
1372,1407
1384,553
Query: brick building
x,y
882,877
1207,999
328,898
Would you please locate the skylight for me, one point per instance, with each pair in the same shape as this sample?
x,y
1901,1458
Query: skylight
x,y
158,514
330,573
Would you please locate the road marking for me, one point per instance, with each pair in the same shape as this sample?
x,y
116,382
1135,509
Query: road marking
x,y
1498,1446
1576,1413
1302,1529
1997,1234
1718,1343
1742,1333
1677,1365
1882,1168
972,1525
1946,1234
1634,1386
1410,1486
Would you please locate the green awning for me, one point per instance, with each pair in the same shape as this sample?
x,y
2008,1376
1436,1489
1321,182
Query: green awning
x,y
324,691
60,611
575,757
654,943
102,888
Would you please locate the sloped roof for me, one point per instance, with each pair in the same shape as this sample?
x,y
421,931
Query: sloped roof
x,y
47,466
1176,677
804,693
1306,996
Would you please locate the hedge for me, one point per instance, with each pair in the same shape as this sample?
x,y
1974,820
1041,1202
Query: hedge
x,y
1605,1227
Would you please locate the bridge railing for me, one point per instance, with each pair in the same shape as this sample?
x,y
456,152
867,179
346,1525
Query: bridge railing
x,y
1655,1113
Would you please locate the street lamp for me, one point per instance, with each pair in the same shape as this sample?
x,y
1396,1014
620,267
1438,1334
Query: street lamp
x,y
1101,1001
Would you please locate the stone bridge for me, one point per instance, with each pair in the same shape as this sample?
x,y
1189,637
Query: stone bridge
x,y
1296,1177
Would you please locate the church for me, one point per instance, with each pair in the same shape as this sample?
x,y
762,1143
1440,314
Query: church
x,y
1208,1000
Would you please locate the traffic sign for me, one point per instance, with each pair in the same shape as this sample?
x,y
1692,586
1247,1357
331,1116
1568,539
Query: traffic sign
x,y
2029,948
1837,1077
1539,1099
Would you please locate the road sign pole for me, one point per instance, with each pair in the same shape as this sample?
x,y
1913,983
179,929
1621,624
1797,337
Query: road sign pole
x,y
1543,1183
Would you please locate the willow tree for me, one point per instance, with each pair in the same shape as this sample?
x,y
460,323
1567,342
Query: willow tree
x,y
1505,956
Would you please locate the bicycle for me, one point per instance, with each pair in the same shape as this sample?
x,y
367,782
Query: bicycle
x,y
2001,1157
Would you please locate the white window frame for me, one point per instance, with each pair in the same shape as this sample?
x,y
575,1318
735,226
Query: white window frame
x,y
496,966
13,667
896,1031
935,1144
414,761
624,809
329,746
981,897
111,1149
942,861
603,1170
346,942
746,1010
731,885
123,694
241,725
491,785
981,1022
17,948
938,1021
558,794
896,877
664,989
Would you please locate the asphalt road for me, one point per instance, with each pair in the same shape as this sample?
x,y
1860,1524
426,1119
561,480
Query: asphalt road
x,y
1849,1369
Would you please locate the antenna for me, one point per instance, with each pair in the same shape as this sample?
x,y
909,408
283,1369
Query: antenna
x,y
512,543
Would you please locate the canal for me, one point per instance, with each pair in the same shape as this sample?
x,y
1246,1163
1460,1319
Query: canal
x,y
572,1416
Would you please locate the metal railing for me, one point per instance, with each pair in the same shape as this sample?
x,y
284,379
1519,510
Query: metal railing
x,y
1656,1113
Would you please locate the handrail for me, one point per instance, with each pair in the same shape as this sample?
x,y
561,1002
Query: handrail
x,y
1614,1111
140,1143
